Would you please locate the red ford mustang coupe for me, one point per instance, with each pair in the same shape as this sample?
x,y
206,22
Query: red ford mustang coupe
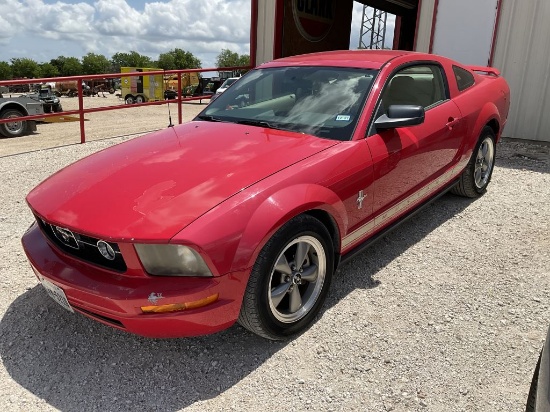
x,y
245,213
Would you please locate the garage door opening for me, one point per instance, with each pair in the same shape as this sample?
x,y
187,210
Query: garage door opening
x,y
384,24
371,28
282,28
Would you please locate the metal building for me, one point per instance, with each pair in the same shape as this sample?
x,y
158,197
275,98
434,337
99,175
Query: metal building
x,y
523,54
519,47
511,35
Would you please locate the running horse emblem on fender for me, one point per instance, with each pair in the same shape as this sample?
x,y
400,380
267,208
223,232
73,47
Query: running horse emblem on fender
x,y
360,198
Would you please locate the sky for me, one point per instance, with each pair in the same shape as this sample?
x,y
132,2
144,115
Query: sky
x,y
44,29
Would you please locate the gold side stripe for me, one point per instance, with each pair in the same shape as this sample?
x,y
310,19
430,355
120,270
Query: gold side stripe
x,y
358,233
380,220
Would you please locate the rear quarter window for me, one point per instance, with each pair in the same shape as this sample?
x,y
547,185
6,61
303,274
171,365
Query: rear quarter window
x,y
464,79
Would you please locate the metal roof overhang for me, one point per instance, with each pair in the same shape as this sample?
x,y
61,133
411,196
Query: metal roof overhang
x,y
397,7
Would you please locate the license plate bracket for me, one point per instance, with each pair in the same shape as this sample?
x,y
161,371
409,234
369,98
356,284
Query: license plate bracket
x,y
56,293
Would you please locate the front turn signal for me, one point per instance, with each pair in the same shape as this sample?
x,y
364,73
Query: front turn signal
x,y
177,307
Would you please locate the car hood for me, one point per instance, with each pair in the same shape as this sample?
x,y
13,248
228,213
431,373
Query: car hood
x,y
151,187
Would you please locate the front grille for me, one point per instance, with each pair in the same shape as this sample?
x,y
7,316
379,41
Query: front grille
x,y
82,247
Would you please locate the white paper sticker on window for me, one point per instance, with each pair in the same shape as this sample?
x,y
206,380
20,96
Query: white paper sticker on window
x,y
343,117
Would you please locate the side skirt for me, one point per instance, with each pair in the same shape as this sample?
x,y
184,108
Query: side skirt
x,y
377,236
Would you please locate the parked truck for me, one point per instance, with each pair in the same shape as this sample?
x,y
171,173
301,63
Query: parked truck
x,y
50,102
143,88
11,108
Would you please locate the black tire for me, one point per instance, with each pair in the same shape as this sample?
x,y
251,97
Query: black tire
x,y
47,109
13,129
532,397
129,99
140,99
57,108
478,172
277,279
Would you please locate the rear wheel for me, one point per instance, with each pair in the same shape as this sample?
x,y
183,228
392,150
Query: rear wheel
x,y
476,176
290,280
14,128
129,99
140,99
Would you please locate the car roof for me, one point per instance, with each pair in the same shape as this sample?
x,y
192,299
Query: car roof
x,y
372,59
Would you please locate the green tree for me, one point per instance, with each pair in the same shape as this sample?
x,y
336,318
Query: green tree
x,y
244,60
71,67
58,62
178,59
23,67
166,61
95,64
132,59
227,58
5,71
49,70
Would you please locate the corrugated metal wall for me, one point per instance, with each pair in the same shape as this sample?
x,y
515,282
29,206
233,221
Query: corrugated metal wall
x,y
265,31
424,26
523,55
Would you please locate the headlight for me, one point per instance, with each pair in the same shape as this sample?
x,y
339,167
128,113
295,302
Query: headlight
x,y
171,260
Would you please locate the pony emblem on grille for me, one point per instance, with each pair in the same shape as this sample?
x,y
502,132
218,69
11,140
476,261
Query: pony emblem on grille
x,y
65,236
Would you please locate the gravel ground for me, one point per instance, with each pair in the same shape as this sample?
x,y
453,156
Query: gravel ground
x,y
447,313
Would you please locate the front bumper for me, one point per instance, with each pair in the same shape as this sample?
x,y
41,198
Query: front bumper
x,y
116,299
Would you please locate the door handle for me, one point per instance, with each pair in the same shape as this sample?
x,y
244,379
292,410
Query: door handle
x,y
452,122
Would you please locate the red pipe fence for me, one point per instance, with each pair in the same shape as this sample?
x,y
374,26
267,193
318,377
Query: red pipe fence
x,y
82,111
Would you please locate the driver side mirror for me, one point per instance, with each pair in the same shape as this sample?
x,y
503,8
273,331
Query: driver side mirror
x,y
400,116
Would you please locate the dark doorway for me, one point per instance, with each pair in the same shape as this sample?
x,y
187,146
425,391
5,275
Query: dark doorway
x,y
406,12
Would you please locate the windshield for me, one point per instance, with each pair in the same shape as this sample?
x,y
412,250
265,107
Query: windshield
x,y
322,101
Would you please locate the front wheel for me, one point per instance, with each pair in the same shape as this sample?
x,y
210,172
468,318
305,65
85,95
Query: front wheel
x,y
13,128
476,176
290,280
531,405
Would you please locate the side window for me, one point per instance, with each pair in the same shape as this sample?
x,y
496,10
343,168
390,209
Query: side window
x,y
420,85
464,78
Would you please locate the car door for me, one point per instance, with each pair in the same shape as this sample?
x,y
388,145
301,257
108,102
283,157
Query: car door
x,y
407,160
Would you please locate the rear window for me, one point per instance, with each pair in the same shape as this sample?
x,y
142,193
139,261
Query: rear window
x,y
464,78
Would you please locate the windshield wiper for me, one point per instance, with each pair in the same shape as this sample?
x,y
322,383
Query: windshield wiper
x,y
209,118
263,123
